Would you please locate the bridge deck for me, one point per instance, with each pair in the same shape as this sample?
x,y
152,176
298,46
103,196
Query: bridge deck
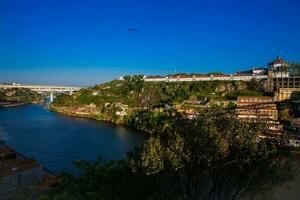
x,y
46,88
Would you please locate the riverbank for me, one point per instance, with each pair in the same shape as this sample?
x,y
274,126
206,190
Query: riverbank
x,y
9,104
12,97
16,104
143,122
73,112
90,112
94,116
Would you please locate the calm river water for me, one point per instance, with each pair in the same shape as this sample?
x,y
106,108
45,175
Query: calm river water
x,y
56,141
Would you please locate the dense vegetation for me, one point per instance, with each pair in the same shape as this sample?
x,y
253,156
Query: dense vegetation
x,y
132,89
19,96
135,96
294,69
288,110
214,156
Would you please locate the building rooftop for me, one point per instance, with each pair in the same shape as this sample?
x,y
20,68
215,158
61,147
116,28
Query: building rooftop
x,y
278,60
259,68
220,75
155,77
180,76
257,97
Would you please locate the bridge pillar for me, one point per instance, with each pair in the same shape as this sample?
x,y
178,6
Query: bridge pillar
x,y
51,97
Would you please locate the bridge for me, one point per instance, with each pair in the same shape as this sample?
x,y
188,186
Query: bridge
x,y
46,89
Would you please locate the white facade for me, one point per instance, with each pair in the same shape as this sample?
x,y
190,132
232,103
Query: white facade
x,y
278,65
205,78
281,74
259,71
155,79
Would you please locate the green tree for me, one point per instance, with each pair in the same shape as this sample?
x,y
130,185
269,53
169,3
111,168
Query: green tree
x,y
254,85
150,96
215,156
294,69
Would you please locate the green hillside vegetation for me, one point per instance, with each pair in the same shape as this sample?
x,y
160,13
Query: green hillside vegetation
x,y
19,96
133,90
288,110
294,69
137,97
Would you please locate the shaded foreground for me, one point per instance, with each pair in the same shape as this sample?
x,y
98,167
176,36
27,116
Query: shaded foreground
x,y
18,172
214,156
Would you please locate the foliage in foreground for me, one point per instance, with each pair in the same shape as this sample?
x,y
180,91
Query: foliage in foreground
x,y
214,156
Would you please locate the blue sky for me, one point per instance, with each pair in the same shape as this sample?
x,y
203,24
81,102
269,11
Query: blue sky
x,y
85,42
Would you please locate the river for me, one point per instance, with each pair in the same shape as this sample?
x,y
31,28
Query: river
x,y
56,141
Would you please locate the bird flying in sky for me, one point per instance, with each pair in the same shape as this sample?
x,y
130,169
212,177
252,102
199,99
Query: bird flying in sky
x,y
133,29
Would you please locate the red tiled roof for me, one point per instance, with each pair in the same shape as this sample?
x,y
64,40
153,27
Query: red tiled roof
x,y
278,60
155,77
180,76
259,68
201,75
242,75
220,75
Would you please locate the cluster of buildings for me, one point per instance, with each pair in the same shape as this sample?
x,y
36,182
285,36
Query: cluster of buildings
x,y
255,73
278,77
295,124
205,77
17,171
259,107
264,109
282,80
279,80
284,83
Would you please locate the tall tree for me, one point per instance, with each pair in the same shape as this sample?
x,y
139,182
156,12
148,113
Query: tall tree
x,y
150,96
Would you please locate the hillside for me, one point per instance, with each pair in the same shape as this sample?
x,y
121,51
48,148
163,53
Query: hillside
x,y
12,97
118,101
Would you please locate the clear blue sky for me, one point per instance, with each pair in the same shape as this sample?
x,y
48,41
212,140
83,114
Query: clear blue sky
x,y
85,42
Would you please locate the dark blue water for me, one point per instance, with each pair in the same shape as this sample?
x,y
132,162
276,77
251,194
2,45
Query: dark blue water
x,y
56,141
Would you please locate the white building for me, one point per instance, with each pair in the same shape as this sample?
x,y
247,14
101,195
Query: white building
x,y
204,77
259,71
279,68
